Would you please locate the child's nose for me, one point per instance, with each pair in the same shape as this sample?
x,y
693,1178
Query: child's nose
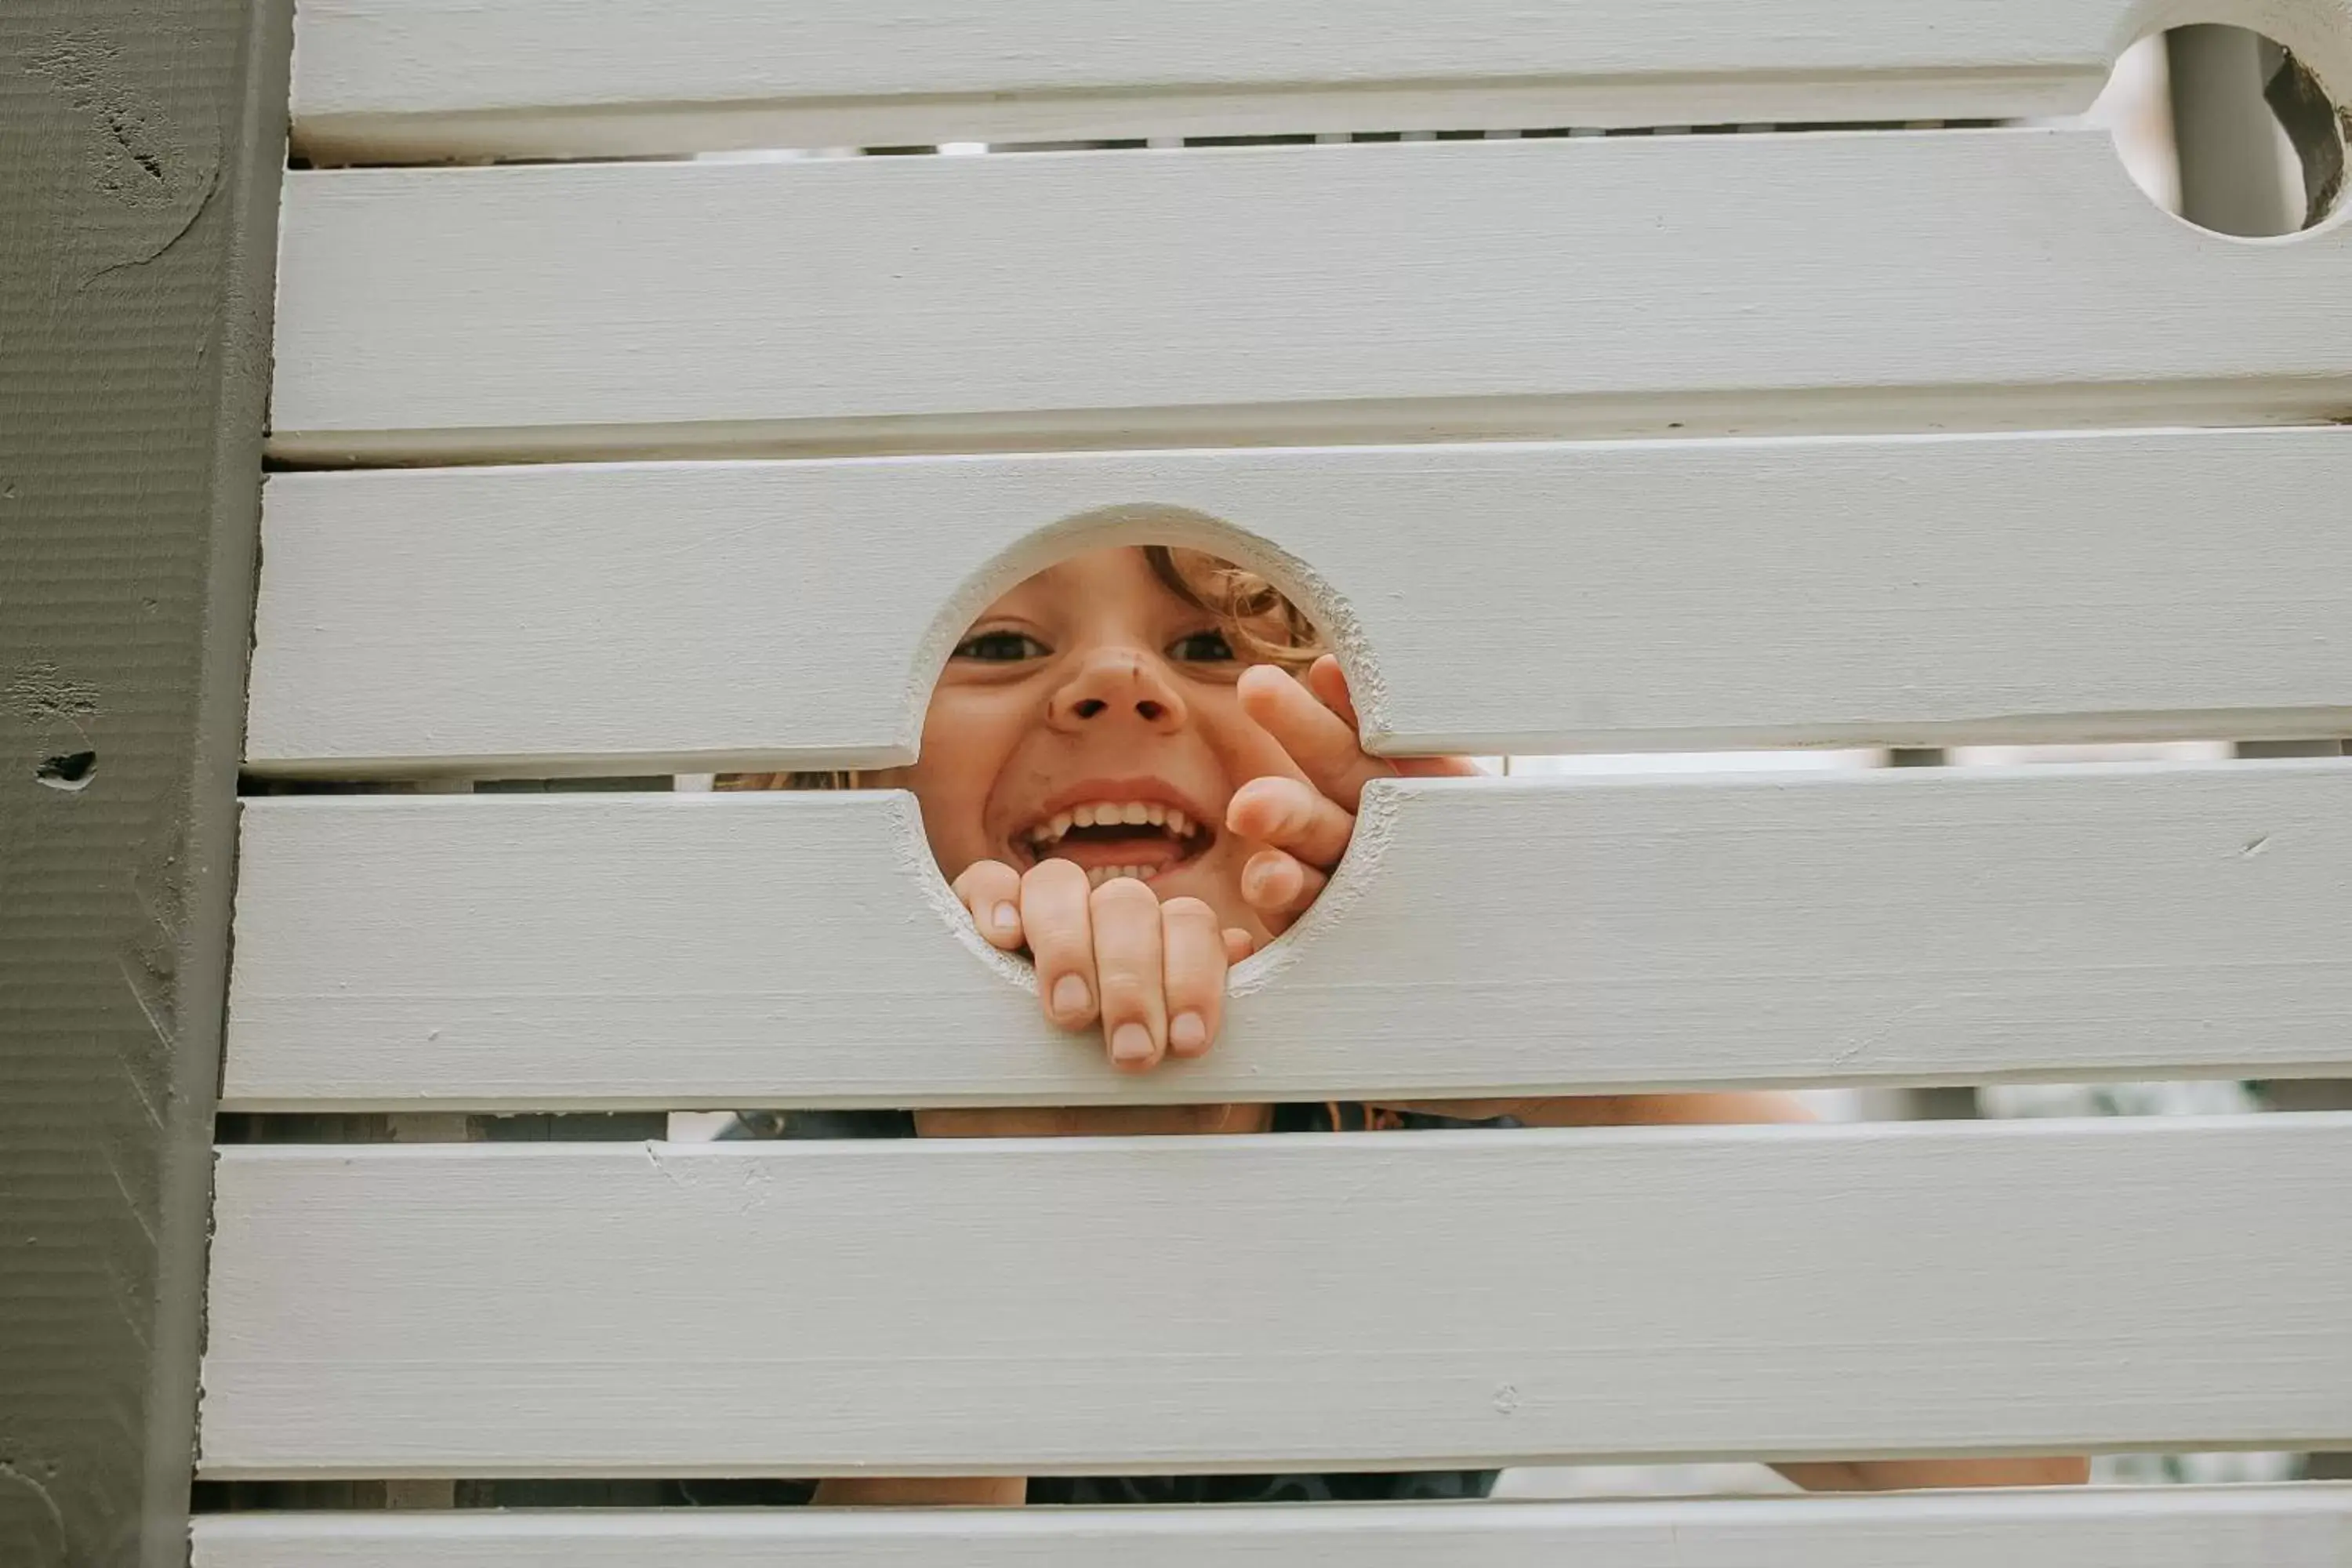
x,y
1115,684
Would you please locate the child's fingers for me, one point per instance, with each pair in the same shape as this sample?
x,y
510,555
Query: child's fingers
x,y
1290,815
991,891
1329,682
1059,926
1192,951
1239,944
1130,970
1437,768
1323,744
1273,883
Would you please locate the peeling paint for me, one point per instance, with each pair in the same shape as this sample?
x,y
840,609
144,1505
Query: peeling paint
x,y
42,693
160,174
139,160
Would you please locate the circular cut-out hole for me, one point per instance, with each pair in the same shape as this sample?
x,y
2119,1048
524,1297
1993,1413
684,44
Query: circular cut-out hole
x,y
1099,722
2227,129
69,769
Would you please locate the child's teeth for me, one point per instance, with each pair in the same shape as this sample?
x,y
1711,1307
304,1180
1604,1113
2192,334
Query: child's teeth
x,y
1129,814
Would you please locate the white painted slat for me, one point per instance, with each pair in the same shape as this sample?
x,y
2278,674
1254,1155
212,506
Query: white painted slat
x,y
1485,936
1258,295
1492,599
2184,1527
1245,1304
400,80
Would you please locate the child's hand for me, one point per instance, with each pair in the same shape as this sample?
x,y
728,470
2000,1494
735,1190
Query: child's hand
x,y
1310,824
1152,974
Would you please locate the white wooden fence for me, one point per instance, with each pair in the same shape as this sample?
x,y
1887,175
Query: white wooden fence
x,y
1827,438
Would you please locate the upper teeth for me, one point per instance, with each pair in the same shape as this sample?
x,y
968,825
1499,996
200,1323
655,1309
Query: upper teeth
x,y
1109,813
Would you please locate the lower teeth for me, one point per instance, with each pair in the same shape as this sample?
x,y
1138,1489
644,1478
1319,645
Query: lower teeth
x,y
1101,874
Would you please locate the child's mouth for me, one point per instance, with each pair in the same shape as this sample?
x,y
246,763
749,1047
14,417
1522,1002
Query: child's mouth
x,y
1108,840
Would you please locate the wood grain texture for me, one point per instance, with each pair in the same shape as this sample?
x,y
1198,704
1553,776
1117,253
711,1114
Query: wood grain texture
x,y
1485,936
387,80
1343,1302
2149,1527
1276,294
1490,599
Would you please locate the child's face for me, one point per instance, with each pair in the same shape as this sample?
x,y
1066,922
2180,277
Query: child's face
x,y
1093,685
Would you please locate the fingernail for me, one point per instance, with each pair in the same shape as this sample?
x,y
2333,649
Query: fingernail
x,y
1130,1043
1187,1032
1007,917
1070,996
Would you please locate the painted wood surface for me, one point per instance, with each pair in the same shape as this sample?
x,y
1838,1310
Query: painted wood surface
x,y
1247,1304
141,151
1261,295
1485,936
1491,599
385,80
2250,1527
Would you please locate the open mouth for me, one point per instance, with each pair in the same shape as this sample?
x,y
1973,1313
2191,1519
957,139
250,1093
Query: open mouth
x,y
1108,840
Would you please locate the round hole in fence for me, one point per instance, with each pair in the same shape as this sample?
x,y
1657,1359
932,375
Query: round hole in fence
x,y
1133,753
2228,129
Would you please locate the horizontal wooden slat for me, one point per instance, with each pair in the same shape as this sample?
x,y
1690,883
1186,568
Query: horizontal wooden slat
x,y
1255,295
1487,936
2242,1527
1493,599
394,80
1389,1300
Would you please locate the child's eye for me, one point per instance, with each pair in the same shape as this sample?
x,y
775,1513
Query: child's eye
x,y
1205,647
1004,647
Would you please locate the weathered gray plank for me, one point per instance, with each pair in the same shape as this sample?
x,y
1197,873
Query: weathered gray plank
x,y
139,150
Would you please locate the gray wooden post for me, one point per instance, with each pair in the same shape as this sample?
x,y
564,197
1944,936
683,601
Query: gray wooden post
x,y
141,144
2231,178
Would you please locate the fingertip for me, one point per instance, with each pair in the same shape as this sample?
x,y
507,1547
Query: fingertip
x,y
1239,944
1263,806
1070,1003
1262,678
1188,1035
1052,874
1272,879
1122,890
1329,681
1131,1047
1266,692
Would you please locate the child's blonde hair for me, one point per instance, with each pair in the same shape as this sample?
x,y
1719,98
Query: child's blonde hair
x,y
1264,624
